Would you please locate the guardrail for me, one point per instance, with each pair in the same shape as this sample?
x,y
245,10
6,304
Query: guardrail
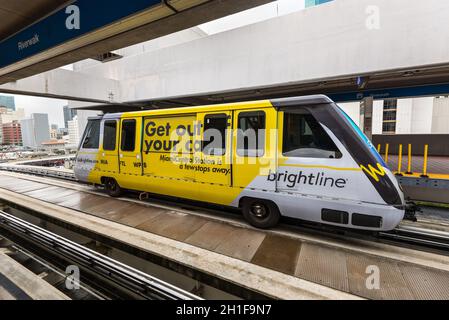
x,y
40,171
127,277
399,172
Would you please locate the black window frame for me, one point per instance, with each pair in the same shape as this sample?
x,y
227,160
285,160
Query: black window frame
x,y
115,136
88,131
224,137
121,135
316,126
246,154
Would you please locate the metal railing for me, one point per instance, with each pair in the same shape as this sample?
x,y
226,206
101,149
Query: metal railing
x,y
39,171
409,171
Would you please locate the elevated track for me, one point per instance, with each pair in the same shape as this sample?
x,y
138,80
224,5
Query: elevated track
x,y
281,263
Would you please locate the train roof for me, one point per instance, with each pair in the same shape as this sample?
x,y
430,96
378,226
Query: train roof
x,y
276,103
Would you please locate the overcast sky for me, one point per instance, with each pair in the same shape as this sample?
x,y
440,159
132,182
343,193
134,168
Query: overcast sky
x,y
281,7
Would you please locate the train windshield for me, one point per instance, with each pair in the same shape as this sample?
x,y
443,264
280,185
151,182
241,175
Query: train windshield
x,y
91,139
365,139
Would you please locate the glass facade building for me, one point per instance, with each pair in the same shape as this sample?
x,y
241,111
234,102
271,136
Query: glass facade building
x,y
311,3
8,102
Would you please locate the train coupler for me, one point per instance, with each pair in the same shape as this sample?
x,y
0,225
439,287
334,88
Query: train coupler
x,y
410,211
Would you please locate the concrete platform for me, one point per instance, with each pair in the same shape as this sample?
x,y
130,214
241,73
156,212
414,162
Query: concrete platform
x,y
19,283
278,264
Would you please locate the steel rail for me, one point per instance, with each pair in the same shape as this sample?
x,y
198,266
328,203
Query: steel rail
x,y
126,276
419,236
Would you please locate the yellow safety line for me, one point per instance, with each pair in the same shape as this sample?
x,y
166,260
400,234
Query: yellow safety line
x,y
320,167
431,176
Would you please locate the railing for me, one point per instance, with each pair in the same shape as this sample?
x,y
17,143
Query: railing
x,y
399,172
40,171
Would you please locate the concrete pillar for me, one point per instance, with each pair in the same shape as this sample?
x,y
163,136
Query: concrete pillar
x,y
366,116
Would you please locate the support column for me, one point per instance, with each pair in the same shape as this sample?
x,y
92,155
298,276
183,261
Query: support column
x,y
366,116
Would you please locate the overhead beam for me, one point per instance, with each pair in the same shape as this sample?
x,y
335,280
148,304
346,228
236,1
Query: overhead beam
x,y
66,85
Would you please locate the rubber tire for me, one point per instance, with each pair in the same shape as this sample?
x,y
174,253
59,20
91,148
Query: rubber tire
x,y
113,188
270,221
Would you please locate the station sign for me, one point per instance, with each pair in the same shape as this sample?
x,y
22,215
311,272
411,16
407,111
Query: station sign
x,y
77,19
392,93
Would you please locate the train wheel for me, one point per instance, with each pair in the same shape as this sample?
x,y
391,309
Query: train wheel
x,y
261,213
113,188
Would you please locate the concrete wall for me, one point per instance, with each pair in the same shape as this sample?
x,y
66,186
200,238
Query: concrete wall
x,y
67,84
353,110
404,116
440,116
422,116
438,145
378,116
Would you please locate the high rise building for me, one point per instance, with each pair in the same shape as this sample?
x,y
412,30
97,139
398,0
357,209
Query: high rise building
x,y
69,114
74,136
9,116
35,130
8,102
311,3
54,132
12,134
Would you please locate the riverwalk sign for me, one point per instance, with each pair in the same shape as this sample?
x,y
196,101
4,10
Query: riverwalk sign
x,y
78,19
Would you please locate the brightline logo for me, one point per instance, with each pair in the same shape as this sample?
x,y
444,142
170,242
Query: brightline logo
x,y
319,179
22,45
373,172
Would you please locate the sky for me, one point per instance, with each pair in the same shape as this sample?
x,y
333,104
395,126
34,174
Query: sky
x,y
277,8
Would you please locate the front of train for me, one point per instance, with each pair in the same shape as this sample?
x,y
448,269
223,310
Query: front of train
x,y
376,199
373,167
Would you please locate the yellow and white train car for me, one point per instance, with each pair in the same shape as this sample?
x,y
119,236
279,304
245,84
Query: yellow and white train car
x,y
297,157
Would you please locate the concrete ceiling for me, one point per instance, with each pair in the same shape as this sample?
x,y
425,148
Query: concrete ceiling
x,y
18,14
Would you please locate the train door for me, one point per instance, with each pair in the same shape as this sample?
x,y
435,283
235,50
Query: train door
x,y
255,148
108,162
214,157
130,156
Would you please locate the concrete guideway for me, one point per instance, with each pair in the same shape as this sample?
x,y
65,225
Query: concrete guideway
x,y
24,281
279,264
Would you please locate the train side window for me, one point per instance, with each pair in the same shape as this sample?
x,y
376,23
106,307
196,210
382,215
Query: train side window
x,y
214,138
110,135
304,137
251,134
128,135
92,137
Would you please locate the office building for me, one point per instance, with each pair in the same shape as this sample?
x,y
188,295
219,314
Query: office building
x,y
69,114
35,130
11,134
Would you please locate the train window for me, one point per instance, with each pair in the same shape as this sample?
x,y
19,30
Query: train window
x,y
251,134
214,139
109,135
304,137
92,137
128,135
